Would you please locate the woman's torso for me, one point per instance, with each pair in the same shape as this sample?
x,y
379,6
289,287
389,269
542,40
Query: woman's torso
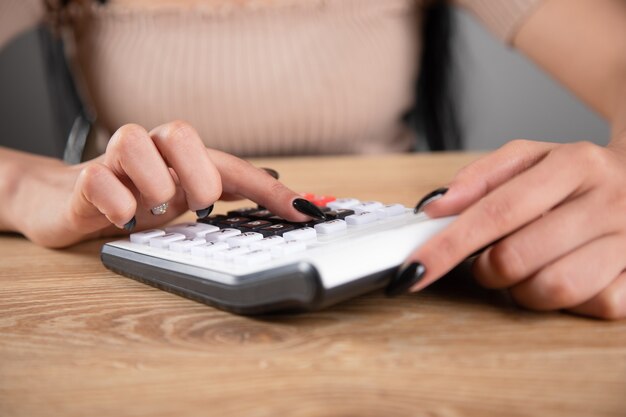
x,y
256,77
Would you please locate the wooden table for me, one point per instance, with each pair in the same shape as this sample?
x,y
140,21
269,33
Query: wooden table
x,y
78,340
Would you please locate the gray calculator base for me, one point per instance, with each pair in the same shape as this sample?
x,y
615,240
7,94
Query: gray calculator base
x,y
295,288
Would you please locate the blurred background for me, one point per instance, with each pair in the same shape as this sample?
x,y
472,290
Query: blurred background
x,y
501,96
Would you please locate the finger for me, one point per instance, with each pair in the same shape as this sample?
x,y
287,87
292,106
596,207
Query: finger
x,y
609,304
184,151
132,153
242,178
543,241
498,214
482,176
100,198
574,278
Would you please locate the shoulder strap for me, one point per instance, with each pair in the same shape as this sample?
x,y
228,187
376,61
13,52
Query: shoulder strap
x,y
71,114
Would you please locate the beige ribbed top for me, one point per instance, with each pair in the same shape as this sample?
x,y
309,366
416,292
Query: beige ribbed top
x,y
258,77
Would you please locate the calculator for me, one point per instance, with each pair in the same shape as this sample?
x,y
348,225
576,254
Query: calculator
x,y
250,261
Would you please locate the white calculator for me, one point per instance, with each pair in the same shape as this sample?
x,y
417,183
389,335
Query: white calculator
x,y
252,262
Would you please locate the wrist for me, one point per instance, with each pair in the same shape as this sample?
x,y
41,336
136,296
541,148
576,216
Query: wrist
x,y
21,176
12,174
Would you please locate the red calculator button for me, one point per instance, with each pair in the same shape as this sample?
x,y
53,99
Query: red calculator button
x,y
322,200
308,196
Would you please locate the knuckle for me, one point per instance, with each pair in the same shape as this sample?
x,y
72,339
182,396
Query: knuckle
x,y
91,176
586,153
557,289
126,139
179,132
506,262
611,306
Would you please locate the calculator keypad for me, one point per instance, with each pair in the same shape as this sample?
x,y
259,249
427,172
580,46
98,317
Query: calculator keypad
x,y
253,236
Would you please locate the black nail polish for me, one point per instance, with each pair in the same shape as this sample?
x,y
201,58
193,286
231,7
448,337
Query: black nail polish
x,y
308,208
131,224
272,172
429,198
204,213
405,279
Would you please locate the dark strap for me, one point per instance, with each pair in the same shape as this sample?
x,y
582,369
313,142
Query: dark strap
x,y
71,113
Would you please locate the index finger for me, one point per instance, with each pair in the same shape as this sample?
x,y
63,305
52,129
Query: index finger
x,y
239,177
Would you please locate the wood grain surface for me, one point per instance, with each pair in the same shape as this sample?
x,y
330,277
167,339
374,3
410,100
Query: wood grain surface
x,y
78,340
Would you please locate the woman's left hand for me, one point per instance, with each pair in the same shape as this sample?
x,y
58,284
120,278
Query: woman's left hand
x,y
555,219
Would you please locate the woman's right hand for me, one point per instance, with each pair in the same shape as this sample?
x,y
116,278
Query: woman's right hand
x,y
56,205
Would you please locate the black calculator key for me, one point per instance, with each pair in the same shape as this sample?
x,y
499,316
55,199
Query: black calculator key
x,y
275,219
255,224
233,221
214,220
242,212
310,223
324,209
261,214
339,214
275,229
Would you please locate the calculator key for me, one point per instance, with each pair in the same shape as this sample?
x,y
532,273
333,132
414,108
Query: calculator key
x,y
166,240
222,235
333,226
306,233
267,243
255,224
242,212
230,253
255,257
370,206
244,239
323,200
288,248
184,246
361,218
343,203
215,219
275,219
339,213
318,200
390,210
233,221
275,229
208,249
192,230
310,223
145,236
261,214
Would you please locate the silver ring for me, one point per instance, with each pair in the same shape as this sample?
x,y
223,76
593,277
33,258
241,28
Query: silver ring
x,y
159,210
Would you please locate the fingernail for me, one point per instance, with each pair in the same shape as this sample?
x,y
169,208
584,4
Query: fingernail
x,y
272,172
204,213
429,198
131,224
405,279
308,208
